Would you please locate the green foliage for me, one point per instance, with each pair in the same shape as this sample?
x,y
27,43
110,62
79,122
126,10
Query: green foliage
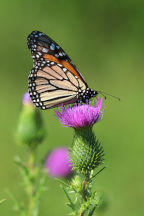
x,y
30,129
33,180
81,199
87,153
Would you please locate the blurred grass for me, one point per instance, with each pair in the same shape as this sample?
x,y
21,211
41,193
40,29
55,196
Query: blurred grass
x,y
105,40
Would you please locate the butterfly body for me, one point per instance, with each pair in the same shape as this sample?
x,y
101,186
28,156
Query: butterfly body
x,y
54,80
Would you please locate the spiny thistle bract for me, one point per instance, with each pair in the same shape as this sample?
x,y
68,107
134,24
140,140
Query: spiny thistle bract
x,y
86,153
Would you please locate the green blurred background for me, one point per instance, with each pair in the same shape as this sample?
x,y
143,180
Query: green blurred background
x,y
105,39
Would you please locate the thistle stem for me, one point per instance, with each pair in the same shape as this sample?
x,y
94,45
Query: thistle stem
x,y
84,194
32,206
85,187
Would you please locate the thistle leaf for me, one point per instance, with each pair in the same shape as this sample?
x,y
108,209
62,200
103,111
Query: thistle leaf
x,y
71,204
91,211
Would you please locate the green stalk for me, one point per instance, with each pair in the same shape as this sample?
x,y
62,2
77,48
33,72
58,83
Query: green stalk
x,y
84,193
31,190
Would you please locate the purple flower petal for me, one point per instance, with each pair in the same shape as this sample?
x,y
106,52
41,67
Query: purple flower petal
x,y
57,163
27,99
79,116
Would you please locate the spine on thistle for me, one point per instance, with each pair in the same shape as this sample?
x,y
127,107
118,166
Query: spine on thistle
x,y
86,153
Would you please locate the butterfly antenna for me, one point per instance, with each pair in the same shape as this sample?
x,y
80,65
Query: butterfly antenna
x,y
104,93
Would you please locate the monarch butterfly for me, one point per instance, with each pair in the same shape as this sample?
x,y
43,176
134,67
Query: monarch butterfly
x,y
54,80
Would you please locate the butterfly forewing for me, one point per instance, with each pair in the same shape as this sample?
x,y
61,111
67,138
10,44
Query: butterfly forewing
x,y
43,46
54,79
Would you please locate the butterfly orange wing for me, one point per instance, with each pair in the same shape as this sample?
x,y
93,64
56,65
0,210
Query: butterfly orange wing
x,y
54,79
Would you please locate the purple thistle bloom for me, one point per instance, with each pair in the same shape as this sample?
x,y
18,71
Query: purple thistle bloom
x,y
57,163
27,99
79,116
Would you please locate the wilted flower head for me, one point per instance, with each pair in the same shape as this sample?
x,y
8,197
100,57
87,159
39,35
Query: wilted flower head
x,y
79,116
27,99
57,163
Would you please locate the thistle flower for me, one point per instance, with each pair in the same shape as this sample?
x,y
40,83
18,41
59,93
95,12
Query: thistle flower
x,y
86,152
57,163
79,116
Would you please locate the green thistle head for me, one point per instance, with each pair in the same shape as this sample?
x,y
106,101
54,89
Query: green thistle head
x,y
30,129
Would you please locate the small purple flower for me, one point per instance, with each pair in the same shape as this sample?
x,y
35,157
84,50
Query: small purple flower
x,y
79,116
57,163
27,99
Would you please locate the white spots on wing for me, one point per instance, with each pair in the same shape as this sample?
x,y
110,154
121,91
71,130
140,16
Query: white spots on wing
x,y
45,50
57,47
60,54
56,55
52,63
37,55
52,46
59,65
40,34
64,69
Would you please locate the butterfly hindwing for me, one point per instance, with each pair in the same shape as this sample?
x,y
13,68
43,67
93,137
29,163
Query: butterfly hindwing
x,y
52,85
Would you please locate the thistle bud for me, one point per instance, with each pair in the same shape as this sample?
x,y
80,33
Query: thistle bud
x,y
30,129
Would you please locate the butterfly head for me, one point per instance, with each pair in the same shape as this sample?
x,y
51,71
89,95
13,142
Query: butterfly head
x,y
86,95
